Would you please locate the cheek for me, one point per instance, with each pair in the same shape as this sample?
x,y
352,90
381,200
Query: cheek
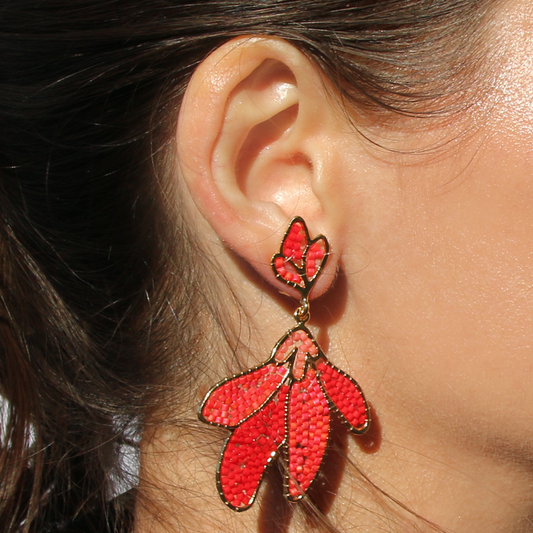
x,y
441,267
447,296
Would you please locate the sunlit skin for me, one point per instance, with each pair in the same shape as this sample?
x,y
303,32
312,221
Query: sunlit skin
x,y
432,311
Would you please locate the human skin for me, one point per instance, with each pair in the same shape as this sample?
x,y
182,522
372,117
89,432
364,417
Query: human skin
x,y
431,230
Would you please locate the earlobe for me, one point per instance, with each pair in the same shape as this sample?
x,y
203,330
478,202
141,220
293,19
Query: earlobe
x,y
251,150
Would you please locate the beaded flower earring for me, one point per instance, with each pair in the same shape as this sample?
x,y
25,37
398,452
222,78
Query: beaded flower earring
x,y
283,406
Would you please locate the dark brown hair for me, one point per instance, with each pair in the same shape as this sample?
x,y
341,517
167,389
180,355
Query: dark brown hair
x,y
90,253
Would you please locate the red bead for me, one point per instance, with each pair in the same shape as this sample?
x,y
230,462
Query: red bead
x,y
345,395
239,397
308,433
249,450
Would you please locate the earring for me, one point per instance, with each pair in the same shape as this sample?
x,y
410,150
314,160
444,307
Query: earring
x,y
282,407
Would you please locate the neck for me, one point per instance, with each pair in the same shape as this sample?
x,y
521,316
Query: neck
x,y
401,484
418,469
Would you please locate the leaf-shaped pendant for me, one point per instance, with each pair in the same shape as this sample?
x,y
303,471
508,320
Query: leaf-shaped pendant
x,y
285,403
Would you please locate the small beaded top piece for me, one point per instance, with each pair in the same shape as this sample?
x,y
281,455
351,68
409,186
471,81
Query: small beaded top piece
x,y
282,408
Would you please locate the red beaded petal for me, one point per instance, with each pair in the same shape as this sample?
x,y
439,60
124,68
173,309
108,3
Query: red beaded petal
x,y
315,258
235,399
286,270
309,423
295,242
249,450
345,395
300,340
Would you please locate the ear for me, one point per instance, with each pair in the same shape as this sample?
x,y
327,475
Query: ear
x,y
254,145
